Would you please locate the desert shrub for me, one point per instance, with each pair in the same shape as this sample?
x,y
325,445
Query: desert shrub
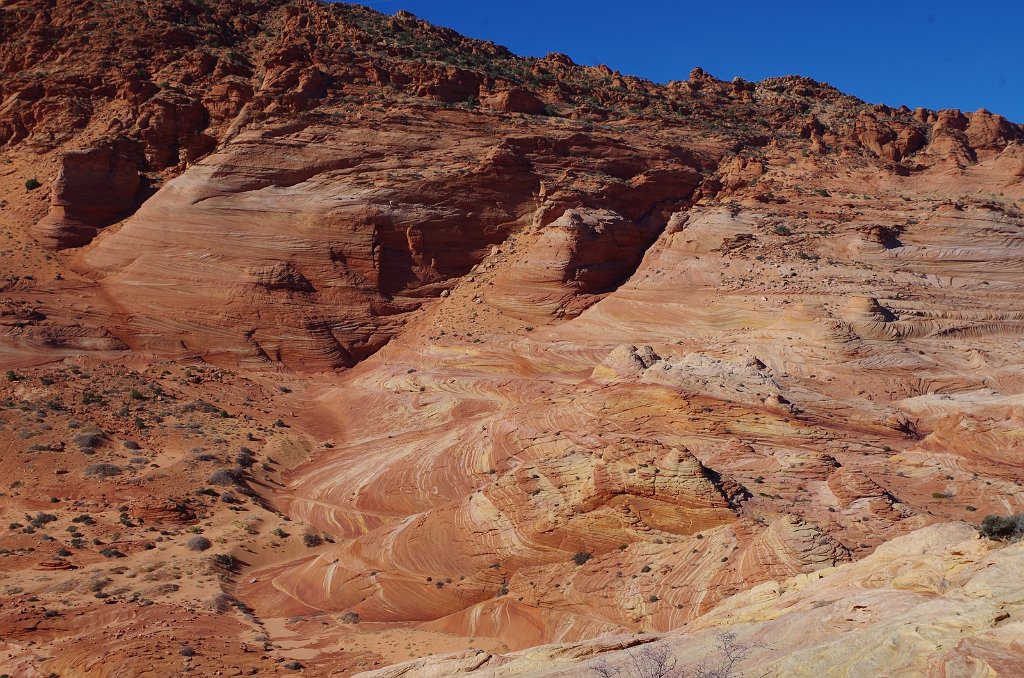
x,y
655,660
13,376
41,519
103,469
582,557
32,184
1003,528
245,458
131,445
92,398
87,441
111,552
312,540
225,476
98,584
186,651
293,666
225,560
198,543
199,406
222,602
350,618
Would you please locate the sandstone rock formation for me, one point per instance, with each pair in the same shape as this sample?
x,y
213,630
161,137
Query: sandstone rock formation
x,y
94,188
936,602
430,346
515,101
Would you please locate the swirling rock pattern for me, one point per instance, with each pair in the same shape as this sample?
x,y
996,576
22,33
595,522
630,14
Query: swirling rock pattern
x,y
528,352
936,602
688,449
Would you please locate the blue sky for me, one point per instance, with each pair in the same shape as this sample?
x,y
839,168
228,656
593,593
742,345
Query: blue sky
x,y
938,54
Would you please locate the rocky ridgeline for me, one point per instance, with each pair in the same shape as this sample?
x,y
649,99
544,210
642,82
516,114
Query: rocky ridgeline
x,y
215,127
190,76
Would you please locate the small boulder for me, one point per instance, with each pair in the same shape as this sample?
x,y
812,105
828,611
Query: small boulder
x,y
515,101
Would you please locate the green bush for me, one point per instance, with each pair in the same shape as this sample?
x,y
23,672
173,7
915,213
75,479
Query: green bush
x,y
582,557
32,184
1003,528
42,519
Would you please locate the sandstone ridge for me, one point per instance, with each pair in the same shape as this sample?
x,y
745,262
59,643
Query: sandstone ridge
x,y
335,341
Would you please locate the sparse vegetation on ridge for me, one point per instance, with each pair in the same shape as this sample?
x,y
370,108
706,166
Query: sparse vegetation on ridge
x,y
1003,528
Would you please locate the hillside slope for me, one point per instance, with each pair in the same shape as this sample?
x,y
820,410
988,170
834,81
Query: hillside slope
x,y
437,346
